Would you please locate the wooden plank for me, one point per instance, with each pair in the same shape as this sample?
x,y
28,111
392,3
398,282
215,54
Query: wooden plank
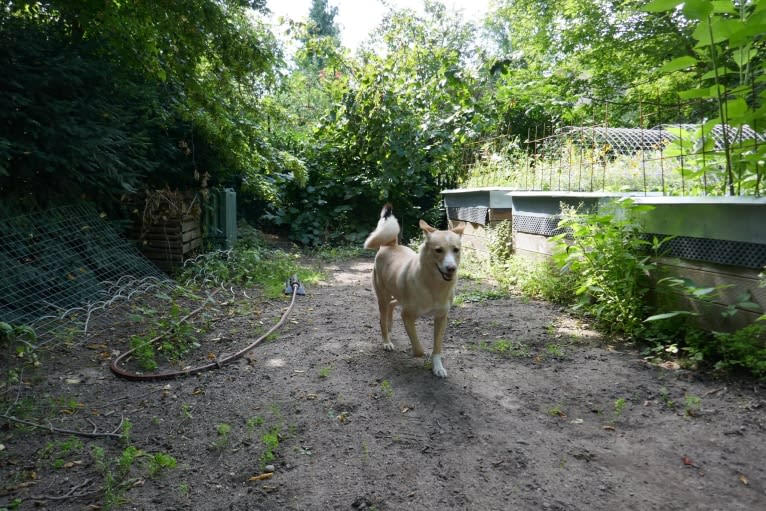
x,y
739,280
535,243
498,215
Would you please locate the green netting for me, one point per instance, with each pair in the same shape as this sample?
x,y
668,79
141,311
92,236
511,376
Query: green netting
x,y
61,265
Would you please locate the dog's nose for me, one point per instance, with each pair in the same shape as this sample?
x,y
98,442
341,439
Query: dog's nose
x,y
450,269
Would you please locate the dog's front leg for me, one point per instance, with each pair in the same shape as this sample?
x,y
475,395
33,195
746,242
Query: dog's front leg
x,y
440,327
409,326
386,308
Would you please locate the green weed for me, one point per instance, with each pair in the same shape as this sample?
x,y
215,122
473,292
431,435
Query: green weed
x,y
692,405
386,389
223,432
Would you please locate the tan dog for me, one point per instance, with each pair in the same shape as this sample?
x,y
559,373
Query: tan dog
x,y
421,283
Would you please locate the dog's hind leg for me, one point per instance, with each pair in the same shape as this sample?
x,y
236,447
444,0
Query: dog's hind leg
x,y
409,326
440,327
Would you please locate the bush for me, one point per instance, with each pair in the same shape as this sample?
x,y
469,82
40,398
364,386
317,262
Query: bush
x,y
611,263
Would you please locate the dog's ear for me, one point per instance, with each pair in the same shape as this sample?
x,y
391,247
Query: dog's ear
x,y
459,229
426,228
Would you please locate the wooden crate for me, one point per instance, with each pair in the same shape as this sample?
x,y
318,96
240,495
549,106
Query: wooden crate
x,y
168,241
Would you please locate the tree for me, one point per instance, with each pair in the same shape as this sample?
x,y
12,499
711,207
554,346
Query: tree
x,y
394,130
552,57
190,75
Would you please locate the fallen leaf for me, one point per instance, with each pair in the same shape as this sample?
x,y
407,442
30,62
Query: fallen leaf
x,y
743,479
688,461
70,464
608,428
96,347
261,477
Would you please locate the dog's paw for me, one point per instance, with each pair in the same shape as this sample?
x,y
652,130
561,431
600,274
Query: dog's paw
x,y
388,346
437,368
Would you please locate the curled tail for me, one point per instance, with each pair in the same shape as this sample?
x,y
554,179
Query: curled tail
x,y
387,231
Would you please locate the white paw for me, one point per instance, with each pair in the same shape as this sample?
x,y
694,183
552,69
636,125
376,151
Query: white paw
x,y
437,368
388,346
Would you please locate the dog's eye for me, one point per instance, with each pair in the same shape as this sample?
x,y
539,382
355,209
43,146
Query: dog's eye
x,y
438,250
456,250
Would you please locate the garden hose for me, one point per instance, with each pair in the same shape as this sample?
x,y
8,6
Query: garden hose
x,y
293,287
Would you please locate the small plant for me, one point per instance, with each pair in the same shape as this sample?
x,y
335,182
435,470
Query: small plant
x,y
386,389
510,348
160,462
611,261
126,428
556,411
325,372
665,397
555,350
270,440
186,410
619,407
223,431
692,405
127,459
20,348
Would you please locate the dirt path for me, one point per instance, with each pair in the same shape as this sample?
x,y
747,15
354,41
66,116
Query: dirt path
x,y
535,414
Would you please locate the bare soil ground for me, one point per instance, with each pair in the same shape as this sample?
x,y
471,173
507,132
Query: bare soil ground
x,y
538,412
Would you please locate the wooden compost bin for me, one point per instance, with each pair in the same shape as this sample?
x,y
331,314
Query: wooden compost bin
x,y
169,229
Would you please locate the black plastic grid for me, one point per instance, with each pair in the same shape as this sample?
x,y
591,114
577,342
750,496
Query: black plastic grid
x,y
475,215
531,224
736,253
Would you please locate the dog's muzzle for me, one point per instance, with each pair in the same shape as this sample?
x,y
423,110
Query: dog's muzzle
x,y
446,275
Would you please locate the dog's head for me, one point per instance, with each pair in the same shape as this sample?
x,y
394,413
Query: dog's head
x,y
442,249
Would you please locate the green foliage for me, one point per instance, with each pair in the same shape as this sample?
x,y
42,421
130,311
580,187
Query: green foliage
x,y
727,61
17,352
110,97
744,349
168,337
270,441
611,263
257,265
393,129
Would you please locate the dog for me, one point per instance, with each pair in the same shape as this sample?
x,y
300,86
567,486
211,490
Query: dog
x,y
421,283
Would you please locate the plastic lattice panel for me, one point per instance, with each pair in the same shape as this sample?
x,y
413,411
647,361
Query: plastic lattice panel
x,y
542,225
475,215
736,253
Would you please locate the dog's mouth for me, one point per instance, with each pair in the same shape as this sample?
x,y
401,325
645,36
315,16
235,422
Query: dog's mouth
x,y
445,276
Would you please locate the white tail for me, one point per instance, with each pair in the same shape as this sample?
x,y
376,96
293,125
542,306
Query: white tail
x,y
387,231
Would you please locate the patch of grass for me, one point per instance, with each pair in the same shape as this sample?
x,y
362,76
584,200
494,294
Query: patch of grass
x,y
250,266
508,348
555,350
325,372
479,295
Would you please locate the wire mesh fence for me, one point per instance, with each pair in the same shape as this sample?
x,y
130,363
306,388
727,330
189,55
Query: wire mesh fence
x,y
63,269
685,158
